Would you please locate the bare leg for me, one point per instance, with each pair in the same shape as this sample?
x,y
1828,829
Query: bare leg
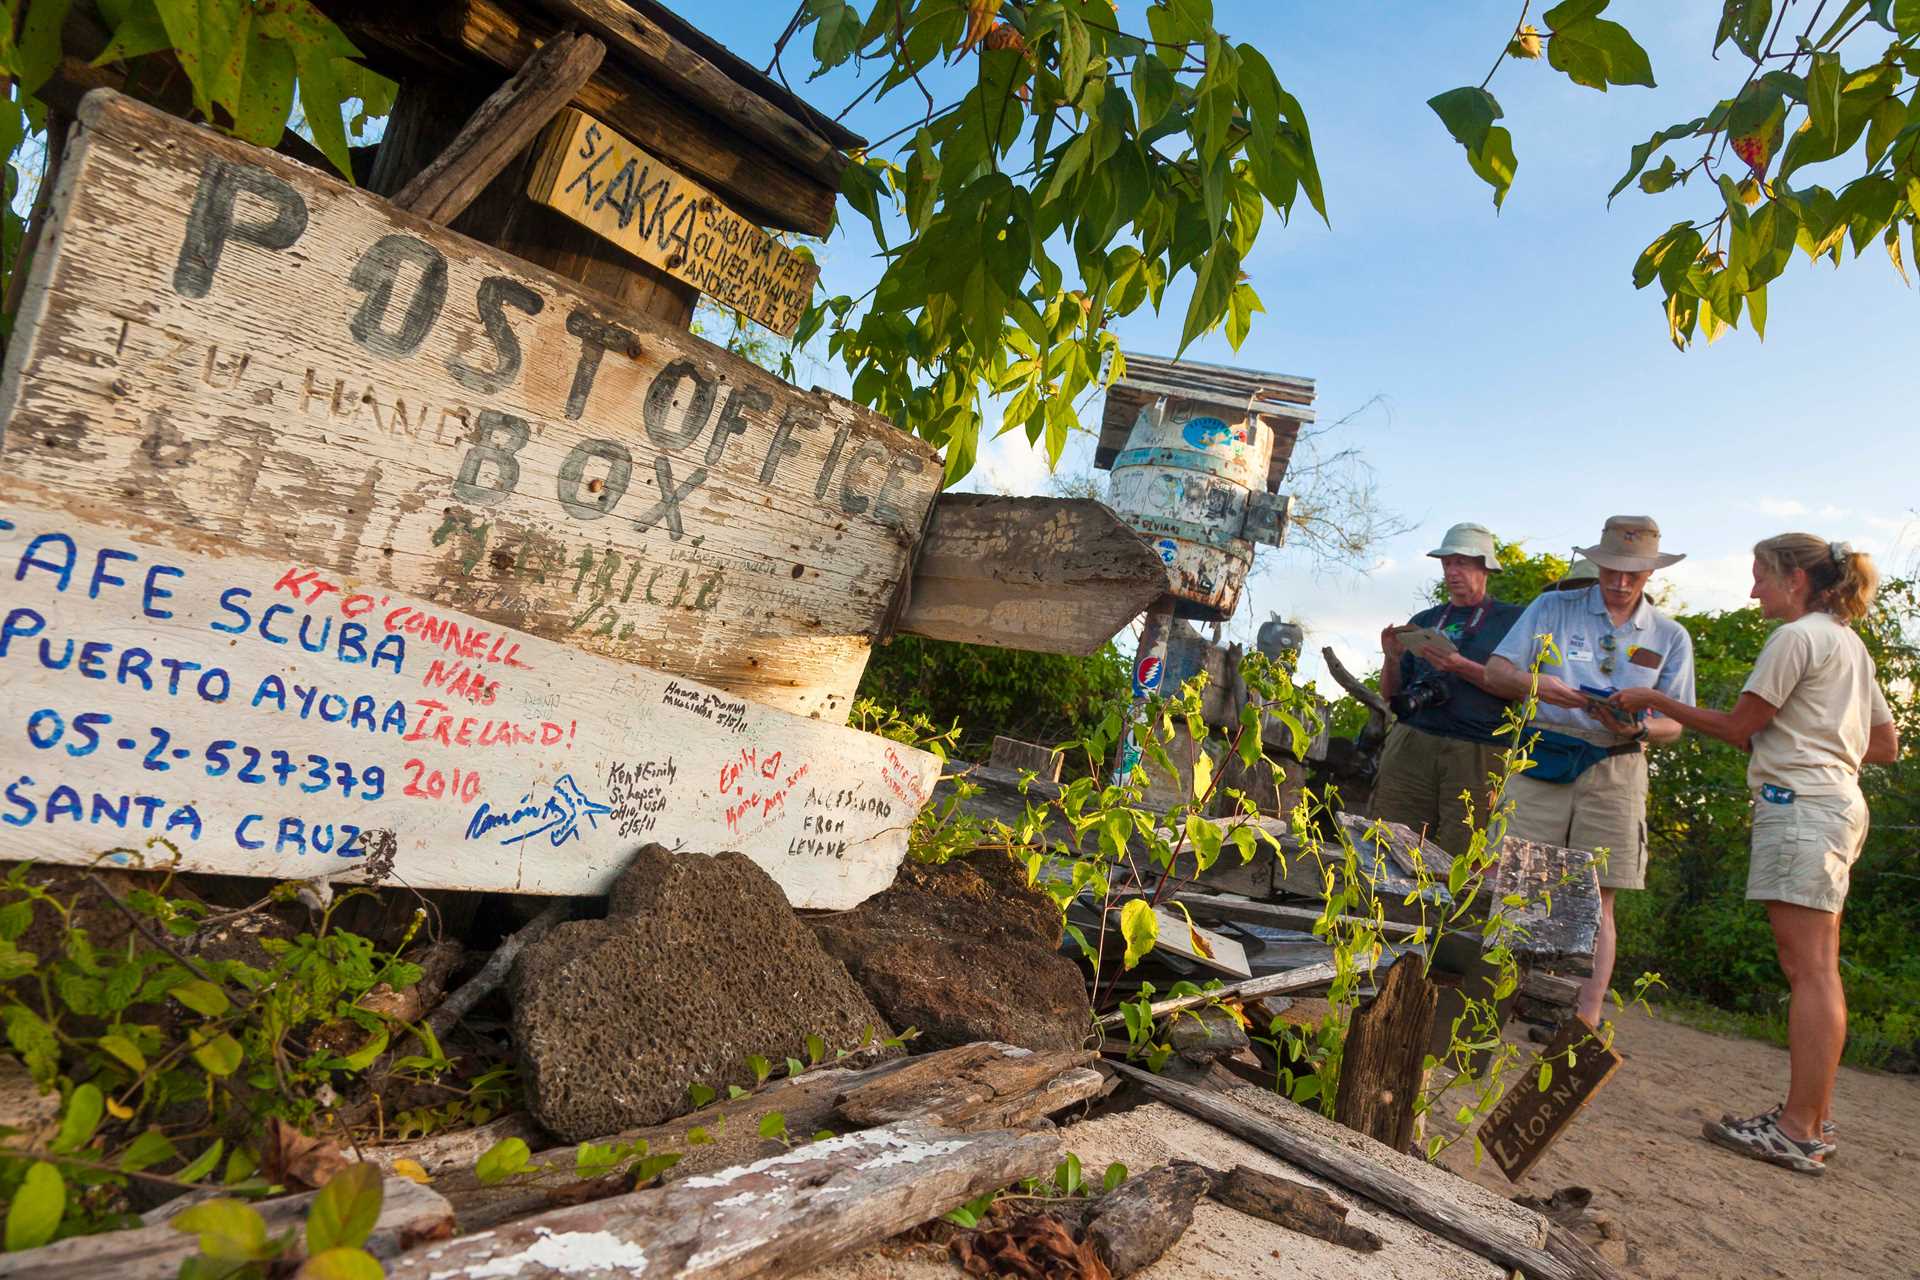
x,y
1809,946
1593,992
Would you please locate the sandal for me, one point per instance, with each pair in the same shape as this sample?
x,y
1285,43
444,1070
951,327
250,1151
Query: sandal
x,y
1829,1132
1762,1138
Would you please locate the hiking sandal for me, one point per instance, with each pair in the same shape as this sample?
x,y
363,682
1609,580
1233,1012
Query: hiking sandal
x,y
1829,1132
1762,1138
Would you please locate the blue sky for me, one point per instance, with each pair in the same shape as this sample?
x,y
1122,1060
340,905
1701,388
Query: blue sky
x,y
1522,380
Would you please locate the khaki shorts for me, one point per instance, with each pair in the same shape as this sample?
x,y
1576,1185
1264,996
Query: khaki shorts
x,y
1603,811
1804,852
1423,777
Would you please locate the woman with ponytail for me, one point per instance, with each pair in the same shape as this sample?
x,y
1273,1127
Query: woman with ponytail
x,y
1810,715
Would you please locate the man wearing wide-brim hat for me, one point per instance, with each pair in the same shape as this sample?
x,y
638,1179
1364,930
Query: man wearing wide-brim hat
x,y
1587,788
1444,742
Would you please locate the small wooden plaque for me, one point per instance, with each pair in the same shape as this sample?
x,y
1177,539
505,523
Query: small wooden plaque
x,y
1529,1118
609,185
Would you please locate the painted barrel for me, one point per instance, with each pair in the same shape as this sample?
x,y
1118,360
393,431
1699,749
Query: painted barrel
x,y
1184,481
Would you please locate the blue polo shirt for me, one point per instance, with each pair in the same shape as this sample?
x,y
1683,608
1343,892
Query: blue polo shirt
x,y
1593,652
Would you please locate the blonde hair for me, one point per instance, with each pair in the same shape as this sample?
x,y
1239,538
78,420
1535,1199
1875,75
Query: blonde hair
x,y
1840,580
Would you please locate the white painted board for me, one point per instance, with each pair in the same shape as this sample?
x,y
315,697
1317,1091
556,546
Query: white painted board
x,y
224,341
275,718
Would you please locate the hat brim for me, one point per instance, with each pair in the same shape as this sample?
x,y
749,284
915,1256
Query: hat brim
x,y
1628,564
1487,561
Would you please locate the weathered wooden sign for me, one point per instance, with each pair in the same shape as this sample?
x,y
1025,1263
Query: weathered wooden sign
x,y
612,187
281,719
1529,1118
228,343
1052,575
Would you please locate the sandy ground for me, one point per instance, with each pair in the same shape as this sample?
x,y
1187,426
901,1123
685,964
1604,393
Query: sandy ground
x,y
1689,1209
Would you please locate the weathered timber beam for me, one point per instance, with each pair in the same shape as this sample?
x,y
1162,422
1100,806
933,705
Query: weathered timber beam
x,y
1381,1065
772,1218
1212,906
1356,1173
638,38
1297,1206
510,119
1273,984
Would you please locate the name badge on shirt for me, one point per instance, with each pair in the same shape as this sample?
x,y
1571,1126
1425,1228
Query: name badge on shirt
x,y
1579,654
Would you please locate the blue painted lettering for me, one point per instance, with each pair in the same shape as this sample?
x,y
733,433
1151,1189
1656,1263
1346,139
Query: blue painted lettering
x,y
155,592
61,569
230,601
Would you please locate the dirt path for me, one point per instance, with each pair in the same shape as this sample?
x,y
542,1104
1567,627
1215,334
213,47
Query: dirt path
x,y
1690,1209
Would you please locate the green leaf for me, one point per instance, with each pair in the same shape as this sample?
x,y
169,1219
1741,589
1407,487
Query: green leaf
x,y
340,1264
701,1094
345,1210
1823,96
150,1148
773,1125
1212,290
85,1107
1140,928
265,96
1073,55
816,1050
229,1231
34,1041
202,996
1115,1175
1202,777
15,917
218,1055
837,33
203,1163
501,1161
1592,51
1906,17
1643,151
1240,320
1469,115
37,50
123,1049
363,1057
37,1207
1883,126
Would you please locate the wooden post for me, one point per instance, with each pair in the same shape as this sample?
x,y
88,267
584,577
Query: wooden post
x,y
1149,668
1381,1066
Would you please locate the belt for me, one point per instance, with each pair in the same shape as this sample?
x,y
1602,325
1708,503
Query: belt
x,y
1622,749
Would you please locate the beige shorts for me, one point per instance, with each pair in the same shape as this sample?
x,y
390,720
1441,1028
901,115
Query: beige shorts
x,y
1804,852
1603,811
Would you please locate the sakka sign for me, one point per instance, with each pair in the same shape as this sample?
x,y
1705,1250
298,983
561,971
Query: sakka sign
x,y
273,719
225,342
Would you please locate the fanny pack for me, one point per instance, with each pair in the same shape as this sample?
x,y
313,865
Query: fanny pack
x,y
1558,757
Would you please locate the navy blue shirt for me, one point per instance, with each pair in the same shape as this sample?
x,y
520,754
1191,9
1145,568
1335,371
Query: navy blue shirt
x,y
1476,630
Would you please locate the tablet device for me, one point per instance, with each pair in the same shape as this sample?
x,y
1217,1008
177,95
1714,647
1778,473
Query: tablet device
x,y
1417,638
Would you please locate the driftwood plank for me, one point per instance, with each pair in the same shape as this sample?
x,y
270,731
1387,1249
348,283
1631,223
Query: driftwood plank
x,y
613,187
146,692
1051,575
1210,906
640,38
1356,1173
510,119
1297,1206
771,1218
230,345
1381,1069
974,1086
410,1215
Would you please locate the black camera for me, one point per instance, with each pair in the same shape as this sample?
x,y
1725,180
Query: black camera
x,y
1421,695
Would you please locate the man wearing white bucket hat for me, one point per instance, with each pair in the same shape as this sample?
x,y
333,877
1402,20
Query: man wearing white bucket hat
x,y
1587,788
1442,746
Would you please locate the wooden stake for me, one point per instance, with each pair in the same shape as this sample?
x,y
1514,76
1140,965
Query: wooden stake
x,y
1381,1067
1356,1173
502,127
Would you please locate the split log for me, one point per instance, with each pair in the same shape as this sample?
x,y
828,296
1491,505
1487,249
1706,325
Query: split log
x,y
1133,1224
771,1218
1587,1264
502,127
1382,1066
976,1086
1356,1173
1273,984
443,1152
1296,1206
410,1215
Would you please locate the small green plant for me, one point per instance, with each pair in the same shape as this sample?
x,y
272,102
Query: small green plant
x,y
235,1245
1067,1182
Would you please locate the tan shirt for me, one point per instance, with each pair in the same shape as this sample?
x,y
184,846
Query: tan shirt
x,y
1818,673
